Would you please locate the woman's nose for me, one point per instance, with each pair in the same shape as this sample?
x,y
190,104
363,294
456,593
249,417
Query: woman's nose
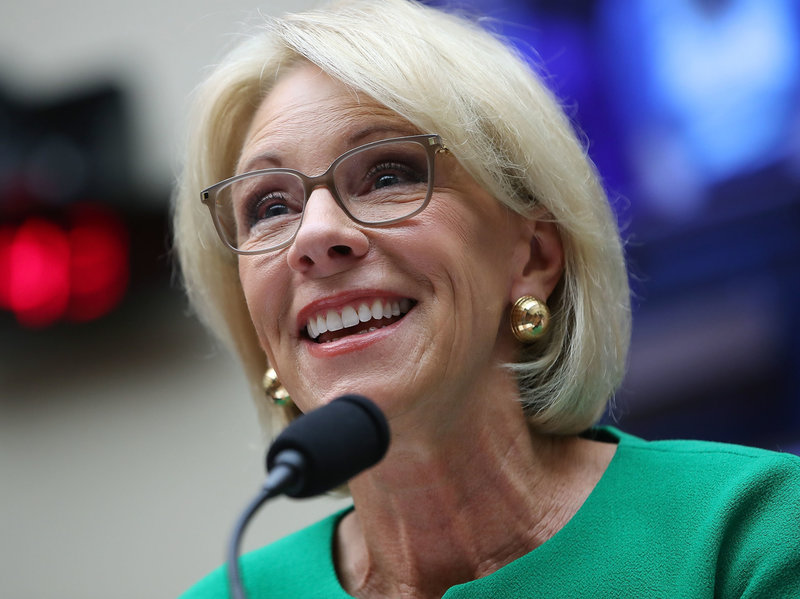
x,y
327,241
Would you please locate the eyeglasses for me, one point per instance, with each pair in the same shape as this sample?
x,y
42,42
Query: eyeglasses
x,y
377,184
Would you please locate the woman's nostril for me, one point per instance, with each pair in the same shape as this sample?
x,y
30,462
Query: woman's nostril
x,y
342,250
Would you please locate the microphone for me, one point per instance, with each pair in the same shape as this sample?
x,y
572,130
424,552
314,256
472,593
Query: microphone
x,y
328,446
316,453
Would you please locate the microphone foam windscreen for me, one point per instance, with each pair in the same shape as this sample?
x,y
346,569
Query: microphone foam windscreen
x,y
338,441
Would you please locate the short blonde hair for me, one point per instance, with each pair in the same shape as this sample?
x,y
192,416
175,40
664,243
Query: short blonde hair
x,y
446,75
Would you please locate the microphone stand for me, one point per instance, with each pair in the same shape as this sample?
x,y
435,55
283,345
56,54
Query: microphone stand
x,y
286,474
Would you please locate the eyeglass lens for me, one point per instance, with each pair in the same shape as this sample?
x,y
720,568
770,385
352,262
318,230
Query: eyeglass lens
x,y
374,185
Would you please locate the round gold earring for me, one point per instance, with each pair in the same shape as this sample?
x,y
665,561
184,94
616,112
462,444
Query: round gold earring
x,y
529,319
274,390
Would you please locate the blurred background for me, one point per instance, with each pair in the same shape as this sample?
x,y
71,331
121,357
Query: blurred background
x,y
128,444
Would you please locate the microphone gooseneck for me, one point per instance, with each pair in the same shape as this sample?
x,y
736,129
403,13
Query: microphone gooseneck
x,y
316,453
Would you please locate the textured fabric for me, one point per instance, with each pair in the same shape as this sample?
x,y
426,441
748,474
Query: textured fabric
x,y
668,519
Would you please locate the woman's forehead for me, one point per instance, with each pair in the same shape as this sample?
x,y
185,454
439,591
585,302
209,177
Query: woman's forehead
x,y
307,108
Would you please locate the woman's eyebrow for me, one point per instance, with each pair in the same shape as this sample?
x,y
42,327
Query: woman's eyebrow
x,y
270,158
267,159
396,129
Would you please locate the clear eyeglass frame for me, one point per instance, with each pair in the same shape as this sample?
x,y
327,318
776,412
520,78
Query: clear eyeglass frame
x,y
432,144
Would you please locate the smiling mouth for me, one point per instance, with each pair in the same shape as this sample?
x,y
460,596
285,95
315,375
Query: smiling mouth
x,y
356,319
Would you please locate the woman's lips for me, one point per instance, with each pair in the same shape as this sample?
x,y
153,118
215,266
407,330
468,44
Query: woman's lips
x,y
361,316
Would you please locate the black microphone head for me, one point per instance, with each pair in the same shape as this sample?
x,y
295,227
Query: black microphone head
x,y
338,441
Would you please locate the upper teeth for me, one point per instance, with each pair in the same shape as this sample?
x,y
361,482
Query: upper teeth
x,y
351,315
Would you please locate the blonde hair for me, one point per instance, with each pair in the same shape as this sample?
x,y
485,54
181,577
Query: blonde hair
x,y
445,75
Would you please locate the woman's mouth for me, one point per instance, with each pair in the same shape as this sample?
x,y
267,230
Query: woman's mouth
x,y
356,318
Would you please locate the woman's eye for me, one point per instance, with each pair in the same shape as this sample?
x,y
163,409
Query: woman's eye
x,y
270,206
386,181
393,173
270,209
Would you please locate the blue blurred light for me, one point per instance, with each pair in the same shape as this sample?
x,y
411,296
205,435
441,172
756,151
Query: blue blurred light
x,y
709,89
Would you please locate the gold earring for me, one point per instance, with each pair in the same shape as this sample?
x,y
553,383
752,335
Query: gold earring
x,y
529,319
274,390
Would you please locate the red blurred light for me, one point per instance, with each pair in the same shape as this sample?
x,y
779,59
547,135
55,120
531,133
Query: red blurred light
x,y
7,234
48,273
99,264
39,273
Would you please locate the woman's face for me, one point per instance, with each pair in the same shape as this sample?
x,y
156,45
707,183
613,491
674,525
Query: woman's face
x,y
449,270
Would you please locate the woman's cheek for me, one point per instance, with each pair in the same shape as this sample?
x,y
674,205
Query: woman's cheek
x,y
260,296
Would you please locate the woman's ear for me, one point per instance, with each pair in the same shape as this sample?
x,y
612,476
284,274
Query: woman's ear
x,y
538,258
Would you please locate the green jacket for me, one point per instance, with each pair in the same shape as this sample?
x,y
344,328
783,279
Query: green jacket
x,y
668,519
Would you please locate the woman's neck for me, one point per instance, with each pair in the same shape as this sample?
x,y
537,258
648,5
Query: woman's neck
x,y
460,503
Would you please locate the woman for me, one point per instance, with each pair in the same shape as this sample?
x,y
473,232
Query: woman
x,y
399,208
